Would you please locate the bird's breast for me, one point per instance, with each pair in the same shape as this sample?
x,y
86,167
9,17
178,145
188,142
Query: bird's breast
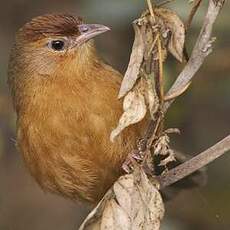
x,y
63,134
66,146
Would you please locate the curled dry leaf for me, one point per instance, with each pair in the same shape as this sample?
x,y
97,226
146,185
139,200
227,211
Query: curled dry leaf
x,y
134,111
135,105
176,27
135,62
134,203
161,145
162,148
170,158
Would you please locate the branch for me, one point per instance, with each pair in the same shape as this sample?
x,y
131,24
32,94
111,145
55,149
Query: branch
x,y
201,50
195,163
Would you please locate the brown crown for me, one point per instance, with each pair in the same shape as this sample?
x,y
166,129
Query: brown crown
x,y
50,25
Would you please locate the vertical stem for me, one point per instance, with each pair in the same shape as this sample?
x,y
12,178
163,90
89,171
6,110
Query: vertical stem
x,y
150,6
161,88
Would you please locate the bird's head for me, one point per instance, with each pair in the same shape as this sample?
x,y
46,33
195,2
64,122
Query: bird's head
x,y
49,49
48,42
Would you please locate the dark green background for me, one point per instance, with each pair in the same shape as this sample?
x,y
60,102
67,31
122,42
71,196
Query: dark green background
x,y
202,114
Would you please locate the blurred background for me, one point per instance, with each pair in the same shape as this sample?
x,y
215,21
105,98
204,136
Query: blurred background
x,y
202,114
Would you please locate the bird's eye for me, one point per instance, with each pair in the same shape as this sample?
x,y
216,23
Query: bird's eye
x,y
57,45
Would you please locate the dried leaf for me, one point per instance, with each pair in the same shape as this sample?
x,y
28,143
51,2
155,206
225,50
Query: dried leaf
x,y
134,203
135,62
93,220
114,217
177,29
171,157
161,146
134,111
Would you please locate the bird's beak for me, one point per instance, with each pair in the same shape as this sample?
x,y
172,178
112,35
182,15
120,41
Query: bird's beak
x,y
88,31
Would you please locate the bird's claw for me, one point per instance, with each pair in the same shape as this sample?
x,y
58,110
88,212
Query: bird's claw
x,y
134,158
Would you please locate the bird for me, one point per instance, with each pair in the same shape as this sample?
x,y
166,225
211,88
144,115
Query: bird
x,y
66,100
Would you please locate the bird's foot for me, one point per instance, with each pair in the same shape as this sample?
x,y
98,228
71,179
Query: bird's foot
x,y
135,158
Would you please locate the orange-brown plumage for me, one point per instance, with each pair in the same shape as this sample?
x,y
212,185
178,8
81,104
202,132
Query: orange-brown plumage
x,y
66,104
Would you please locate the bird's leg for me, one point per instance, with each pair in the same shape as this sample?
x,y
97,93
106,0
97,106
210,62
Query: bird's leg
x,y
136,157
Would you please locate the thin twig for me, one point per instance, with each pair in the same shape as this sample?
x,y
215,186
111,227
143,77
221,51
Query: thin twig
x,y
160,69
153,45
194,9
164,3
150,6
195,163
